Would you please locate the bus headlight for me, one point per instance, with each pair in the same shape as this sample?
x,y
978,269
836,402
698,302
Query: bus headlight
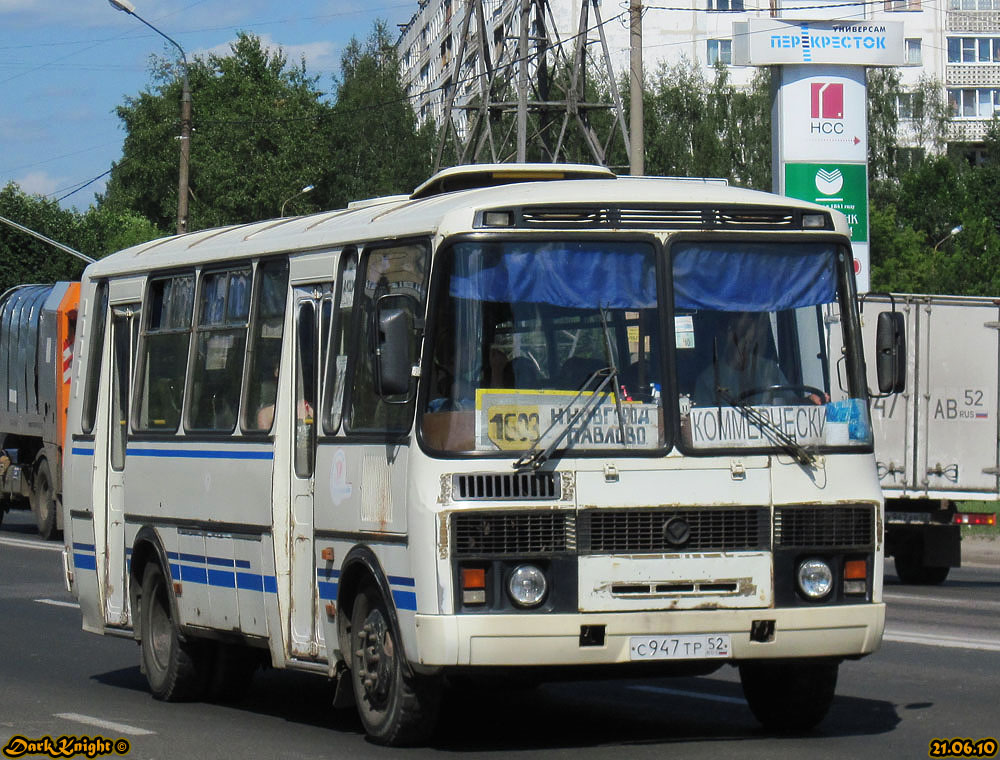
x,y
815,578
527,586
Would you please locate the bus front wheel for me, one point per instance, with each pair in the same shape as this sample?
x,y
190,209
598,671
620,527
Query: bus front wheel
x,y
396,708
176,669
789,696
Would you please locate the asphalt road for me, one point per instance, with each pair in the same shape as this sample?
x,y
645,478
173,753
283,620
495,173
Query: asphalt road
x,y
936,675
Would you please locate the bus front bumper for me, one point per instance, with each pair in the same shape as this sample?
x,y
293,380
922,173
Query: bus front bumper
x,y
555,639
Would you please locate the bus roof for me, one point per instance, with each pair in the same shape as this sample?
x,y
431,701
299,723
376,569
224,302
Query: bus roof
x,y
585,197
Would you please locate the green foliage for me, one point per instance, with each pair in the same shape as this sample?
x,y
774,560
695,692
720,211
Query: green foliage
x,y
883,122
25,259
373,143
694,128
263,130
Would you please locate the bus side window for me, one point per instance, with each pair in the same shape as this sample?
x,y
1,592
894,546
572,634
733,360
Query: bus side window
x,y
336,355
261,389
220,342
164,354
395,270
98,314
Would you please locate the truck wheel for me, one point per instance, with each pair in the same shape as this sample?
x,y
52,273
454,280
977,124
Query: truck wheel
x,y
396,709
789,696
177,670
43,502
912,571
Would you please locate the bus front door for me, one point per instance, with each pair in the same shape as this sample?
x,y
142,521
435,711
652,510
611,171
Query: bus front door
x,y
312,318
123,320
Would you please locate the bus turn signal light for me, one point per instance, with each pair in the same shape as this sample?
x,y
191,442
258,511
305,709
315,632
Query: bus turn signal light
x,y
473,585
855,576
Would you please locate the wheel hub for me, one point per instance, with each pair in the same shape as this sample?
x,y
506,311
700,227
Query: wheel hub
x,y
375,658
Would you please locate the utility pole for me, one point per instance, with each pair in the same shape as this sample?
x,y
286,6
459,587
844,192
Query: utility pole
x,y
522,83
637,141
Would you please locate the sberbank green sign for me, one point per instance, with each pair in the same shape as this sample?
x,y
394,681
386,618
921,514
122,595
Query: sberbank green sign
x,y
843,187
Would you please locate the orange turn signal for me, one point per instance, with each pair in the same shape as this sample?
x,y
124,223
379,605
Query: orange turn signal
x,y
473,577
855,569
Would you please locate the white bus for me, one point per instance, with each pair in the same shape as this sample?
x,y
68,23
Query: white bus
x,y
529,420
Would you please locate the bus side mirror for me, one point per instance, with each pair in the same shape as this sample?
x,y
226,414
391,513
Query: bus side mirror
x,y
890,352
394,352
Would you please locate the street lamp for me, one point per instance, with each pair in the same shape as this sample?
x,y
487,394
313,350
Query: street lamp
x,y
303,191
182,175
949,236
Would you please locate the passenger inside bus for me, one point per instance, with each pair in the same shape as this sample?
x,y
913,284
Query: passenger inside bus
x,y
742,362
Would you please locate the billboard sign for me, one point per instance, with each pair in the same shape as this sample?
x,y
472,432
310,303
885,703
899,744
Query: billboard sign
x,y
768,41
823,114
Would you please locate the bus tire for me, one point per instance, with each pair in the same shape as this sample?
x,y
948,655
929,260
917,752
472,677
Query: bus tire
x,y
789,696
175,668
396,708
43,501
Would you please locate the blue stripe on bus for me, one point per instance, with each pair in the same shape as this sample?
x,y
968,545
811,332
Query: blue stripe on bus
x,y
199,454
82,451
85,561
397,580
84,547
221,578
270,584
327,590
249,581
405,600
323,572
194,574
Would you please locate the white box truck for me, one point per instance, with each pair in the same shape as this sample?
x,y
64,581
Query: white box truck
x,y
936,443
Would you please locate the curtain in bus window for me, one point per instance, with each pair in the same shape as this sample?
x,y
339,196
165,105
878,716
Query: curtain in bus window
x,y
570,274
753,276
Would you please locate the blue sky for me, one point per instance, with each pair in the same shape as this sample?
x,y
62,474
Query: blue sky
x,y
65,65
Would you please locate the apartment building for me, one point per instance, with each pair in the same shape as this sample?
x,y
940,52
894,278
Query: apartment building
x,y
956,42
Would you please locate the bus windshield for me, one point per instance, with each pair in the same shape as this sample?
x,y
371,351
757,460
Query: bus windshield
x,y
545,345
533,339
753,369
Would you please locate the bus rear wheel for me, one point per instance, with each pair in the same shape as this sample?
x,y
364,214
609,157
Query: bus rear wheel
x,y
176,669
912,571
789,696
396,709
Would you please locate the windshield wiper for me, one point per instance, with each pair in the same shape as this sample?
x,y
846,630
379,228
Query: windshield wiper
x,y
789,445
535,457
610,355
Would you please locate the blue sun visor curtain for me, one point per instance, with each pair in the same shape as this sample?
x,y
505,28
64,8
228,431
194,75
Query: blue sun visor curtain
x,y
579,275
723,276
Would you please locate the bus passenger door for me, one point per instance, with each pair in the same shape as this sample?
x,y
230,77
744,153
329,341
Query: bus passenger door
x,y
312,318
123,321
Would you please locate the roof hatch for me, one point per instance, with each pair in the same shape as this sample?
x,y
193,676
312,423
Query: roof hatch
x,y
472,176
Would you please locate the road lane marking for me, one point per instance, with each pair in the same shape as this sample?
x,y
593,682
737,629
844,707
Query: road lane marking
x,y
27,544
58,603
117,728
936,640
916,599
694,694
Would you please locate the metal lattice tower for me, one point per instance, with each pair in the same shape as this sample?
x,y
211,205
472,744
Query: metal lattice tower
x,y
528,87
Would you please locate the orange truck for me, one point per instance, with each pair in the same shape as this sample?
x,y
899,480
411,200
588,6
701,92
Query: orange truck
x,y
37,330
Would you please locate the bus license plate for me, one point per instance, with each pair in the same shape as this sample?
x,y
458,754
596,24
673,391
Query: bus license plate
x,y
685,647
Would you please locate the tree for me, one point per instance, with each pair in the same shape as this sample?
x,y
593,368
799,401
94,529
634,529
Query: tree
x,y
882,91
258,138
698,129
373,143
25,259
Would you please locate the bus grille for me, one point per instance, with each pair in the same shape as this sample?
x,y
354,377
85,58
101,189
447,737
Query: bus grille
x,y
824,527
503,534
639,531
485,486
